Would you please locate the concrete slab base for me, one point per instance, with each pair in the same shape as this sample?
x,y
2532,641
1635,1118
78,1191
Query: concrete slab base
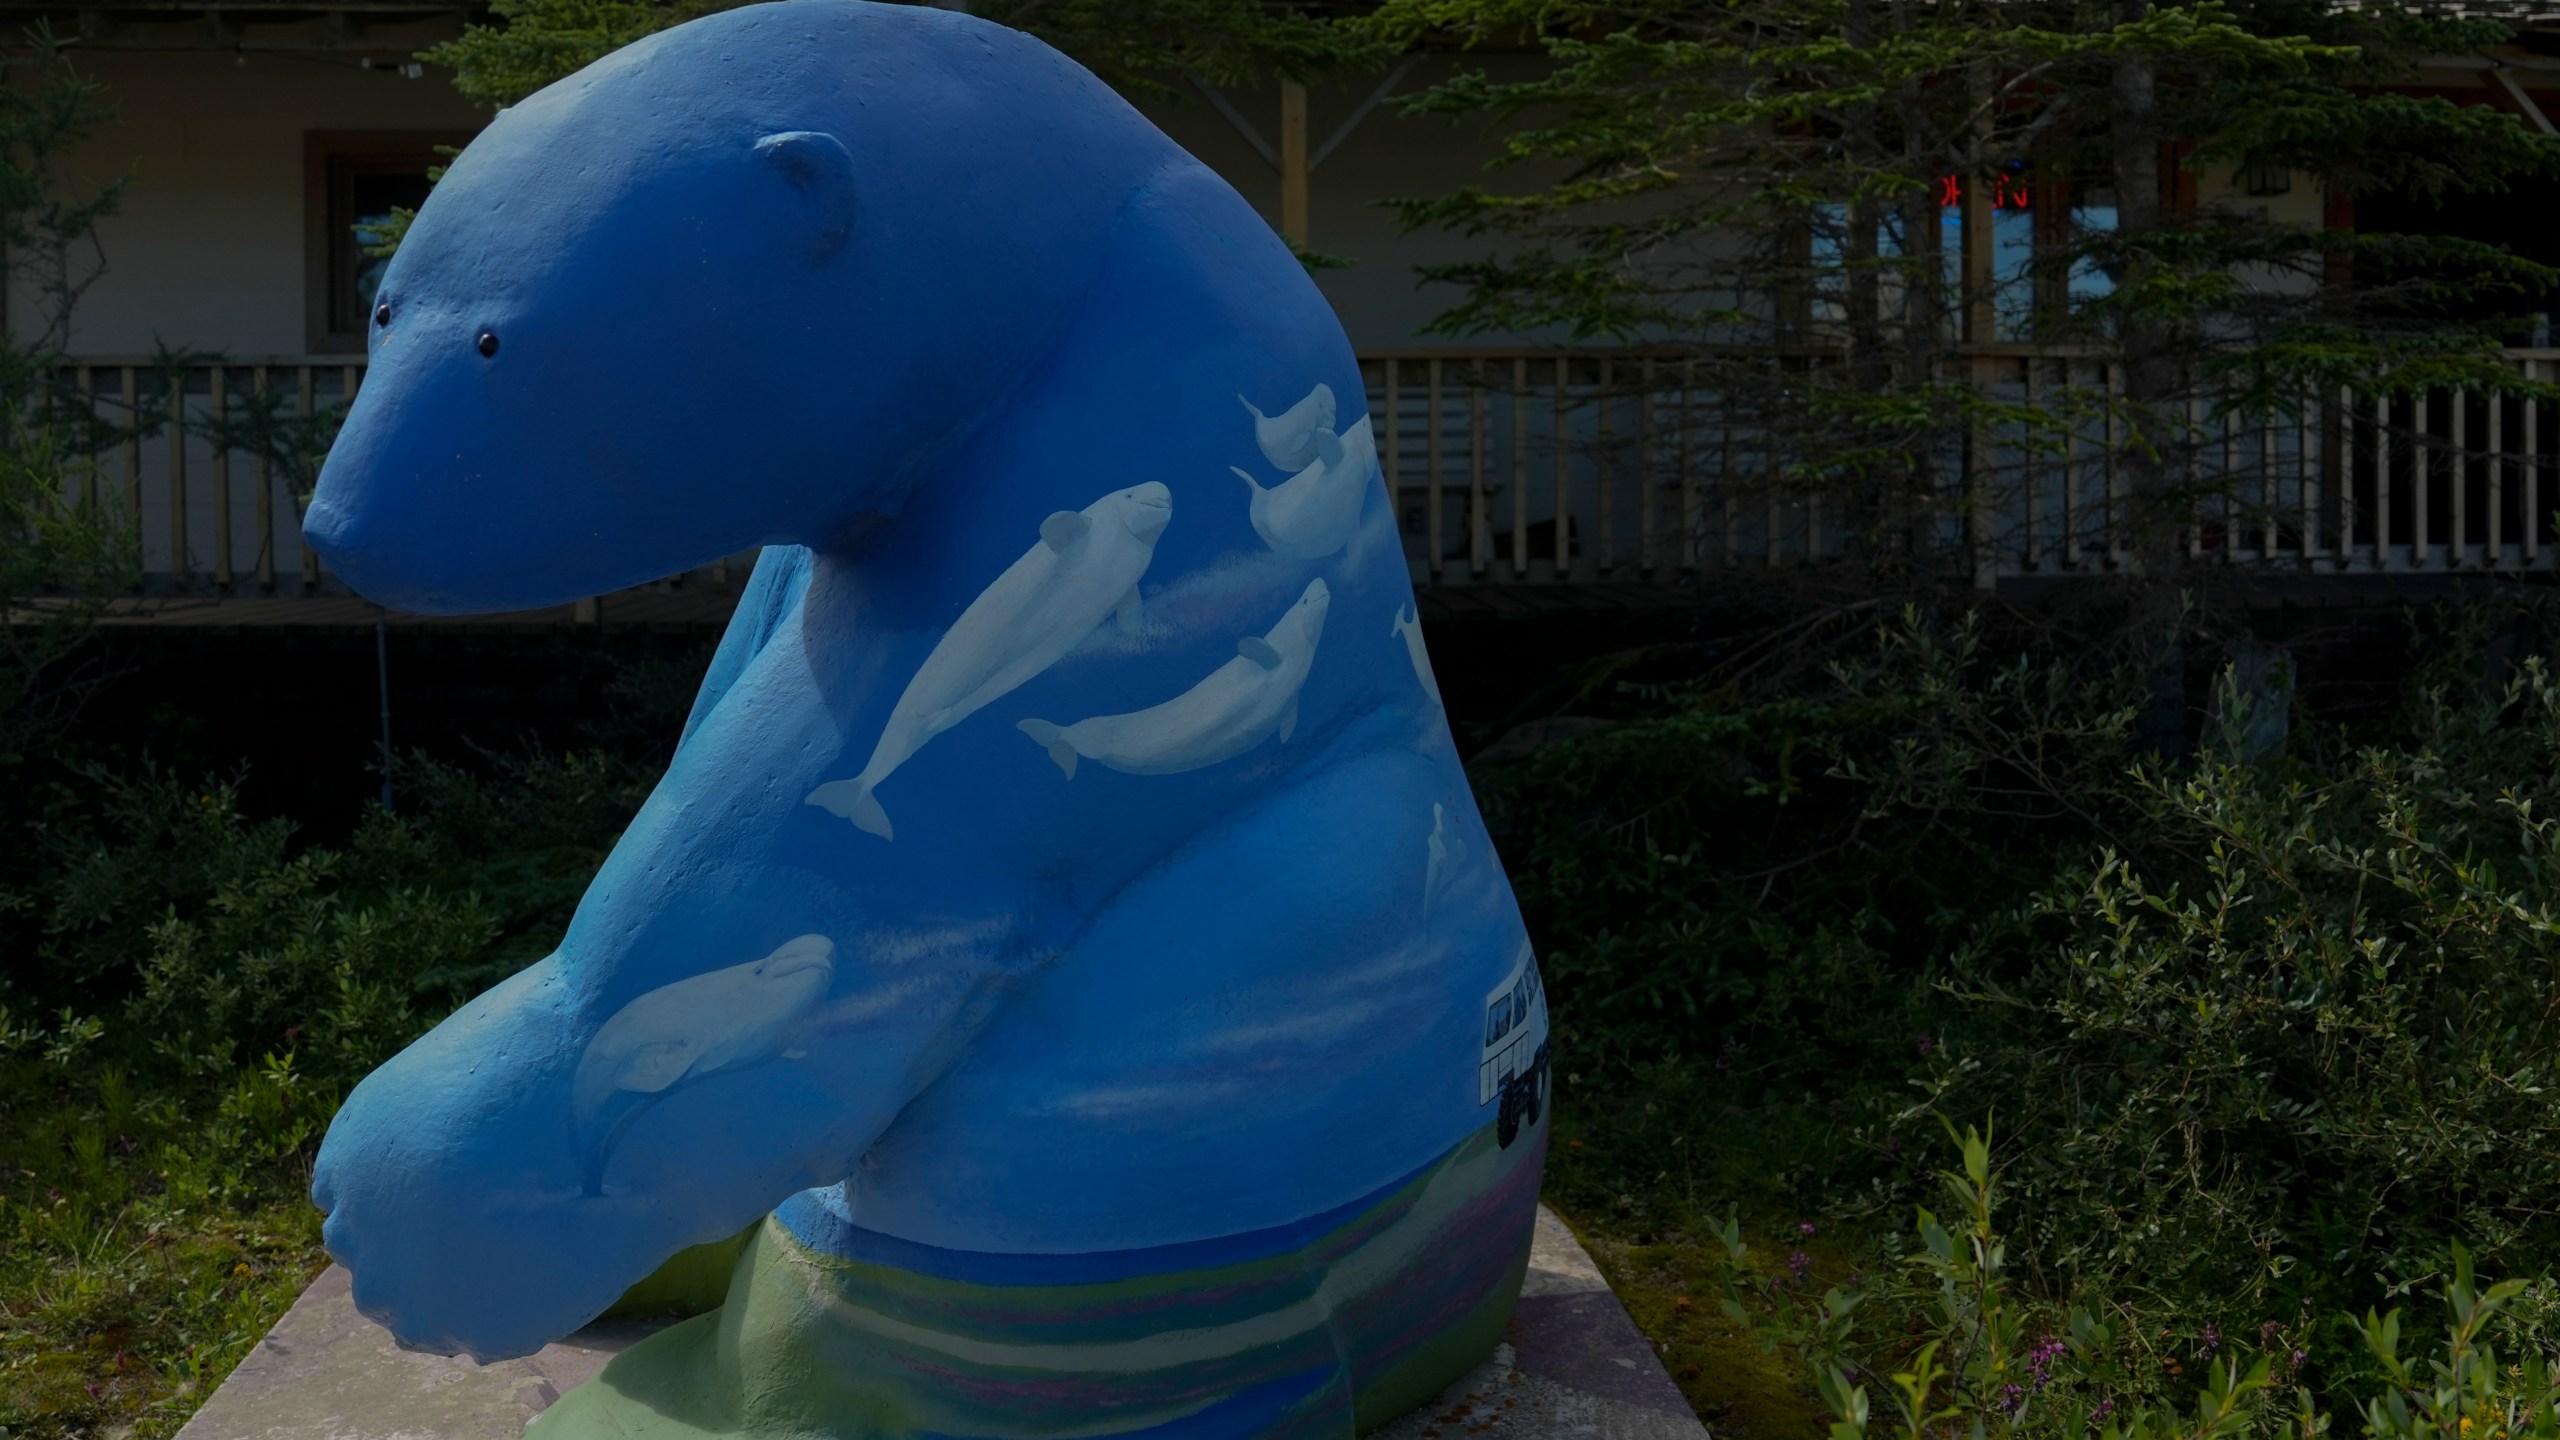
x,y
1573,1367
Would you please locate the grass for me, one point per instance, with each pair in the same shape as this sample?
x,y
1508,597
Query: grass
x,y
147,1248
1637,1178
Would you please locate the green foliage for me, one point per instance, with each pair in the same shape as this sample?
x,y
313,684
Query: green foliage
x,y
2267,1031
2305,1013
1736,181
1143,47
65,544
191,994
1937,1342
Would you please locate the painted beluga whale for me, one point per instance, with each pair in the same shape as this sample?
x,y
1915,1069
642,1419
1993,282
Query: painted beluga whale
x,y
692,1028
1087,1064
1288,439
1085,567
1239,705
1316,511
1408,627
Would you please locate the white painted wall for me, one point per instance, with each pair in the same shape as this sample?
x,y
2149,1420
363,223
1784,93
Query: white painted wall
x,y
208,251
1388,157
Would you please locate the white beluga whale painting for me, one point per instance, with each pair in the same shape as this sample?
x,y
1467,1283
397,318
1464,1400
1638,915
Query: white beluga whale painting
x,y
1444,852
1085,567
1409,625
1288,439
1239,705
719,1020
1315,512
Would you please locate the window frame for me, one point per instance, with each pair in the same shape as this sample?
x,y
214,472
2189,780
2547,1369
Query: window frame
x,y
327,155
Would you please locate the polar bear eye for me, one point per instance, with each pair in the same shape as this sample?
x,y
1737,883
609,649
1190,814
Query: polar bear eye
x,y
488,342
382,314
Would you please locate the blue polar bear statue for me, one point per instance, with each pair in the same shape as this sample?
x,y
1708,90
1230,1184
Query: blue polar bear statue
x,y
1063,953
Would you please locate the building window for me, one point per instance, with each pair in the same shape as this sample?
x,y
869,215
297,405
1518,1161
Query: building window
x,y
353,182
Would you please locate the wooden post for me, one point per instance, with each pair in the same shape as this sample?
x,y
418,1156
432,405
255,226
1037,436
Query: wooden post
x,y
2070,471
2494,554
1689,514
2309,433
2382,480
2532,517
2119,528
1973,213
1391,461
1431,483
266,504
1519,469
133,462
2421,480
2458,476
2030,474
310,557
1293,162
1605,548
1479,524
1564,473
1646,492
88,416
178,479
221,486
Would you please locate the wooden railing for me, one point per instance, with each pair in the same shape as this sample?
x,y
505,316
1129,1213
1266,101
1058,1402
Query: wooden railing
x,y
1543,467
203,514
1655,476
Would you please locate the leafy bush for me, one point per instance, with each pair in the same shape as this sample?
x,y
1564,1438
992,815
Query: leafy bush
x,y
1939,1343
2265,1033
2303,1027
194,993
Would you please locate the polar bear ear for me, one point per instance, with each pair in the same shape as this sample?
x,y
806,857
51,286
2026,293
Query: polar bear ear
x,y
817,166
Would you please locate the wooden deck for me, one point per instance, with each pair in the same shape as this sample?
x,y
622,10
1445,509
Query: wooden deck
x,y
706,608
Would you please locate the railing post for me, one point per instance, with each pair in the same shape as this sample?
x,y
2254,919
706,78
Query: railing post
x,y
178,479
2458,475
1564,474
2532,473
266,497
2029,474
1687,452
1605,552
2194,468
2119,550
1479,524
1431,483
1978,455
88,457
2382,480
310,557
1519,469
221,483
2422,479
1647,493
2494,554
1388,447
2311,435
133,464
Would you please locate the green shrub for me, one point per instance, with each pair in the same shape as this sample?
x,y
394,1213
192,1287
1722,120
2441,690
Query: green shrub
x,y
1940,1343
2265,1033
194,994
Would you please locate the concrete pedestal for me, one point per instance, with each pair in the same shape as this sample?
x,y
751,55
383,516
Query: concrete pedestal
x,y
1573,1368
